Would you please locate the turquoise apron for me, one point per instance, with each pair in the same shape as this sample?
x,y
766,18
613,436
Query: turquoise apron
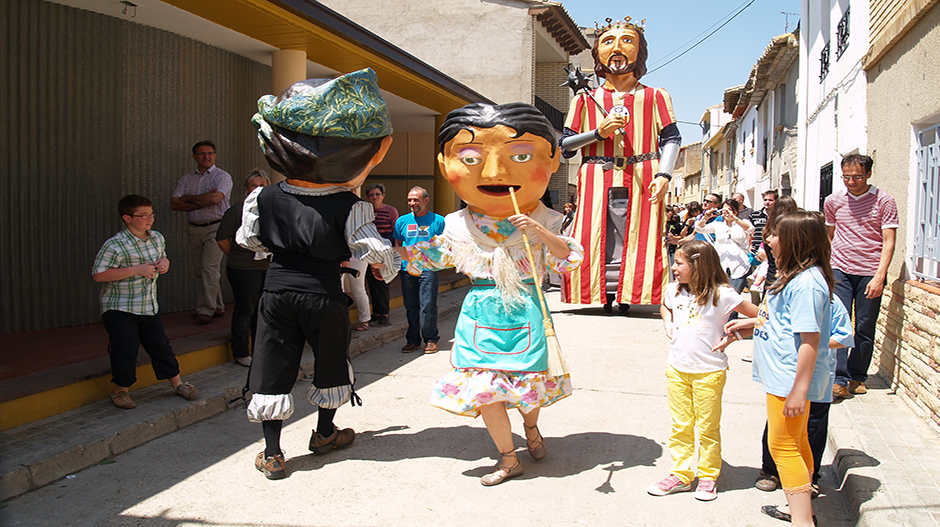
x,y
492,337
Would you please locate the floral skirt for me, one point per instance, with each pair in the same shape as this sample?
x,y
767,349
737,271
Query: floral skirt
x,y
464,391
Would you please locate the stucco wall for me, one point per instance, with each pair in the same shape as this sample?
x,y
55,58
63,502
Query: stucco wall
x,y
902,95
486,45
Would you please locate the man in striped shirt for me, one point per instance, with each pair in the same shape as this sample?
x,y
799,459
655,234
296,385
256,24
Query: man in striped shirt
x,y
863,223
204,194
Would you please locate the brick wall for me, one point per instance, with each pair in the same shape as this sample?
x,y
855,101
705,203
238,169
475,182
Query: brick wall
x,y
906,352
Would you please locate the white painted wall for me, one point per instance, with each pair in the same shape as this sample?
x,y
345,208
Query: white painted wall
x,y
832,118
488,46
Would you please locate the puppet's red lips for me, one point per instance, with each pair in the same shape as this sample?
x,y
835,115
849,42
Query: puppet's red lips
x,y
498,190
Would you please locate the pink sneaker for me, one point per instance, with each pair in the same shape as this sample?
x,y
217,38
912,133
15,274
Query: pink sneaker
x,y
706,490
670,485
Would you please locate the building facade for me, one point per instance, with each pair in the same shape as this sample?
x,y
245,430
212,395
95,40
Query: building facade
x,y
832,120
903,124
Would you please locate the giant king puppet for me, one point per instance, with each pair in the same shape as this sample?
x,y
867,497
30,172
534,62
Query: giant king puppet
x,y
628,139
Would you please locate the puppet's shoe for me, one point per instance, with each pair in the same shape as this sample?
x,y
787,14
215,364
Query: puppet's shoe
x,y
536,447
339,439
503,472
273,467
624,309
608,307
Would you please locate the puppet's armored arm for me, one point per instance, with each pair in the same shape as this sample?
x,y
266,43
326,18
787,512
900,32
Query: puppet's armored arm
x,y
669,142
571,142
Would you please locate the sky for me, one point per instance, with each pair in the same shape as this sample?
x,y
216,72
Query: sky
x,y
697,79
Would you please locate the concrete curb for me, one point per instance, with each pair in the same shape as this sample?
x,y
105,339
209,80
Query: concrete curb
x,y
885,458
92,450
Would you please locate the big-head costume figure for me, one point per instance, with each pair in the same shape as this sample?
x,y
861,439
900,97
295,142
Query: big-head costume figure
x,y
629,143
500,352
324,136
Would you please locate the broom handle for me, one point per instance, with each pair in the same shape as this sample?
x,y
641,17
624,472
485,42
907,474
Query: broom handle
x,y
528,250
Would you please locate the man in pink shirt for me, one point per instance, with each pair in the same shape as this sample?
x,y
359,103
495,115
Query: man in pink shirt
x,y
863,223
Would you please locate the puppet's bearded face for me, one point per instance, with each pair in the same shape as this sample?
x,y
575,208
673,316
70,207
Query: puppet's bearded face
x,y
617,49
484,164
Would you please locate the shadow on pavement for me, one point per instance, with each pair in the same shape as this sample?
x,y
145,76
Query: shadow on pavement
x,y
567,456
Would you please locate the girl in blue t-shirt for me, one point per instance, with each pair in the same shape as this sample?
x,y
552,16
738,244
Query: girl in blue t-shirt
x,y
791,360
694,310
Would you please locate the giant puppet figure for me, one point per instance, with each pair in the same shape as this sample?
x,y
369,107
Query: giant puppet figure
x,y
324,136
629,143
501,347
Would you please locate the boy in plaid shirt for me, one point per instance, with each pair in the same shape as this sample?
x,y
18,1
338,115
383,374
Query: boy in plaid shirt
x,y
128,264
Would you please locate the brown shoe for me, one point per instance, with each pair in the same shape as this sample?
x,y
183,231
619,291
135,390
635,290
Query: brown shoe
x,y
408,348
536,447
202,320
431,348
219,314
766,482
339,439
123,400
273,467
187,391
857,388
840,392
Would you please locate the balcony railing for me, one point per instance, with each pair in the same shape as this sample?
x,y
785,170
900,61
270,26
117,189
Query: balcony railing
x,y
555,116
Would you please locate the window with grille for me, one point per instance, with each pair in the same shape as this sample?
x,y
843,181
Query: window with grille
x,y
824,62
842,35
926,254
825,184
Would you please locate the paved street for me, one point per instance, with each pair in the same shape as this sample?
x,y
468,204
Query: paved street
x,y
413,464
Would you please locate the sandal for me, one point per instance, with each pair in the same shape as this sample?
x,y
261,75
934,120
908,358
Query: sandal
x,y
187,391
536,447
123,400
774,512
362,326
503,472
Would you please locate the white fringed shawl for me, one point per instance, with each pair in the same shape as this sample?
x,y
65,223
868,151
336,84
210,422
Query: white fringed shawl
x,y
474,253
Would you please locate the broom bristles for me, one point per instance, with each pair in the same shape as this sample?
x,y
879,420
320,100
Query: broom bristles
x,y
557,366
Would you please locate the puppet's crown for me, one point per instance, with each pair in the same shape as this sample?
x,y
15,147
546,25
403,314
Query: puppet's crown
x,y
618,24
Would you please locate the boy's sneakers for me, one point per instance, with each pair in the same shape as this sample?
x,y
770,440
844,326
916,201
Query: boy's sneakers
x,y
706,490
670,485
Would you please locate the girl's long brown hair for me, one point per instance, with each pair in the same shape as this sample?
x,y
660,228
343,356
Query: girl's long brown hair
x,y
803,243
707,274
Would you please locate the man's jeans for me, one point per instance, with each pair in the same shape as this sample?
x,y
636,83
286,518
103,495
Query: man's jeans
x,y
419,294
853,366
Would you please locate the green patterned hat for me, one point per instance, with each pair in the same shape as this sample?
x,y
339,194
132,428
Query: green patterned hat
x,y
349,106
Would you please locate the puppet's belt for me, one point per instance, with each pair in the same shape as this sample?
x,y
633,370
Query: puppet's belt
x,y
619,162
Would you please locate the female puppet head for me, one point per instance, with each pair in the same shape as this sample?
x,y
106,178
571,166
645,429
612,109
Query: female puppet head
x,y
485,149
325,131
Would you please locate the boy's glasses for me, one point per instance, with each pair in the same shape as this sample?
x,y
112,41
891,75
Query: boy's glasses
x,y
147,216
854,178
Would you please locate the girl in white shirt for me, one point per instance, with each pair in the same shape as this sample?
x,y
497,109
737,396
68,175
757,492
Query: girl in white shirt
x,y
694,310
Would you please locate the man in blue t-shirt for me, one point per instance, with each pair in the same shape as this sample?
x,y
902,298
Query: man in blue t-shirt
x,y
419,293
